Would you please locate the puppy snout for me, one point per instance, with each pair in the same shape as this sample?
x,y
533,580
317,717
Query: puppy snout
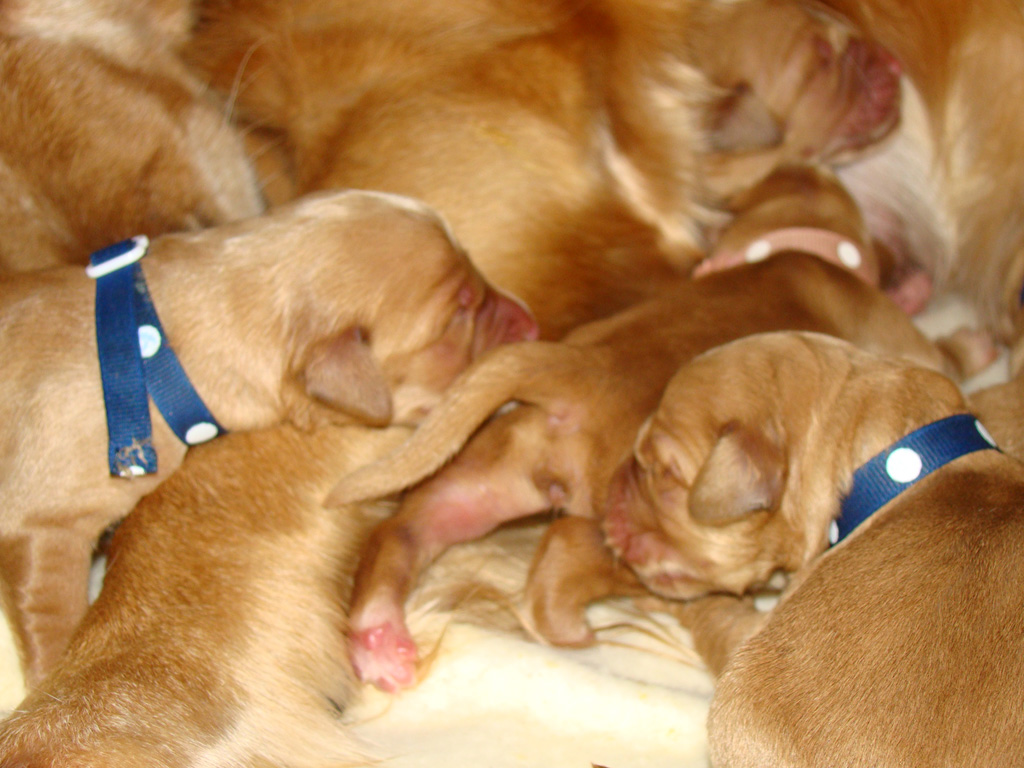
x,y
502,320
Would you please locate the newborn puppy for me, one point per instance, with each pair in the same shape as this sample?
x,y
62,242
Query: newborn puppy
x,y
569,144
797,206
578,405
218,637
806,207
105,134
352,307
764,452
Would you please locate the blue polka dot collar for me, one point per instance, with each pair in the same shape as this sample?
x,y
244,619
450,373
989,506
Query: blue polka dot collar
x,y
136,363
902,464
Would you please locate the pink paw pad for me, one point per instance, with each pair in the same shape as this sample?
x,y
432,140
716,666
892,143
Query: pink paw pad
x,y
385,656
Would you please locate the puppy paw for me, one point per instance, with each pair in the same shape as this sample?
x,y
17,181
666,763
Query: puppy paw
x,y
384,655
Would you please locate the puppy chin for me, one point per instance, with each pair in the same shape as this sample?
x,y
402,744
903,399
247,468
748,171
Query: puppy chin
x,y
671,580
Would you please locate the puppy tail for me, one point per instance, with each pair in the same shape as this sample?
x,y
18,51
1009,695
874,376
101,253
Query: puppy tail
x,y
512,373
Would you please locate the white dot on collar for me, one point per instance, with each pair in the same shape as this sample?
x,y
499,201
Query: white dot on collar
x,y
759,250
904,465
149,340
833,533
136,471
849,254
200,433
984,433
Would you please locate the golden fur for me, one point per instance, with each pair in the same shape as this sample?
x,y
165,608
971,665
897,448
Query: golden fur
x,y
568,143
579,404
914,619
104,133
943,194
346,306
219,636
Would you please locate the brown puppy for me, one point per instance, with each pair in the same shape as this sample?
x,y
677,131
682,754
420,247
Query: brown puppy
x,y
900,646
943,193
579,404
349,306
104,134
561,139
796,206
218,637
806,207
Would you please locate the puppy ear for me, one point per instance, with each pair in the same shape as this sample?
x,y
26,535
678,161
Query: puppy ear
x,y
744,473
741,122
343,373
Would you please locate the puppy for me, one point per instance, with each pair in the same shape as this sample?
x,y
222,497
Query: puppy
x,y
798,206
913,618
218,637
350,306
568,143
942,193
578,405
104,133
807,207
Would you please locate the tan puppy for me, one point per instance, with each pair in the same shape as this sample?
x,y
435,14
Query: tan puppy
x,y
218,638
563,140
899,646
797,206
806,207
579,404
104,134
349,306
943,194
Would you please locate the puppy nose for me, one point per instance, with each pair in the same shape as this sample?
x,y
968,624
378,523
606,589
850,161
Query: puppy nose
x,y
502,320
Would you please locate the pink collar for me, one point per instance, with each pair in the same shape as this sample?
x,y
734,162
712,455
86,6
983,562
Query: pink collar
x,y
824,243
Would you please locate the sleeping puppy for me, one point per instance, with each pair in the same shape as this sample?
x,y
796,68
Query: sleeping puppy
x,y
578,405
218,637
806,206
104,133
897,646
351,306
798,205
567,143
943,193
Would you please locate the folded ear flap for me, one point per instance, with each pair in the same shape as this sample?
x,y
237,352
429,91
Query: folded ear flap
x,y
743,474
741,122
343,373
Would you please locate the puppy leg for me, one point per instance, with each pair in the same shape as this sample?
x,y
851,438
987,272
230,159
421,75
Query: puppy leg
x,y
45,574
481,489
571,569
719,625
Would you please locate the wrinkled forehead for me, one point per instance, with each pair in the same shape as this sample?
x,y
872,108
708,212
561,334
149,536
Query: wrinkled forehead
x,y
743,378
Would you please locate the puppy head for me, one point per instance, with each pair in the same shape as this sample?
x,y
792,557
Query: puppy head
x,y
743,466
809,90
390,310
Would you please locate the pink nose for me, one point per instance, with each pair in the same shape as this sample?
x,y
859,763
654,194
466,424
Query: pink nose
x,y
502,320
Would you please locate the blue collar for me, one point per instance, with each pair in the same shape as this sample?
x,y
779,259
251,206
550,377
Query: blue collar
x,y
136,363
902,464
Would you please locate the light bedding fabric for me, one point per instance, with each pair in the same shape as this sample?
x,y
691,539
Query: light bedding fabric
x,y
497,699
